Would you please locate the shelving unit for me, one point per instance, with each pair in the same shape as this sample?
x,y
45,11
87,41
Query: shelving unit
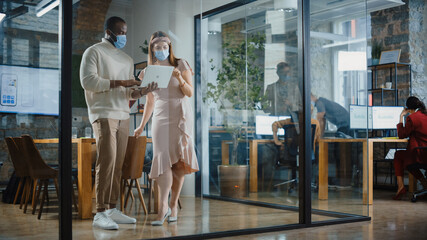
x,y
137,67
392,78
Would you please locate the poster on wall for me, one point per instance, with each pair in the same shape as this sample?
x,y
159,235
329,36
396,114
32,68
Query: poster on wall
x,y
29,90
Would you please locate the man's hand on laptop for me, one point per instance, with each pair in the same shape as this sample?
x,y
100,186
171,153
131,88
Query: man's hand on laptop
x,y
125,83
132,83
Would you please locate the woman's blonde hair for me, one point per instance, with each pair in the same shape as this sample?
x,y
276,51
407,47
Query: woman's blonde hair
x,y
152,59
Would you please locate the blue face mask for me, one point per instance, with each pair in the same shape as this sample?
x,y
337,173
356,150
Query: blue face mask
x,y
313,103
120,40
162,55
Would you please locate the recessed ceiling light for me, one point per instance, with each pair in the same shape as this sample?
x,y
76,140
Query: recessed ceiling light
x,y
2,15
45,6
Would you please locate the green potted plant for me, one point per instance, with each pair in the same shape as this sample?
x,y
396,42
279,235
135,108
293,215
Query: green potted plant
x,y
144,47
376,52
238,90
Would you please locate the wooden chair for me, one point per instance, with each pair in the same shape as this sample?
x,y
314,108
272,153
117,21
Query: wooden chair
x,y
132,169
40,173
21,168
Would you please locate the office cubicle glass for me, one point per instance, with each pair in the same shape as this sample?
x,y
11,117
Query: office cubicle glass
x,y
236,125
30,75
249,85
338,56
251,88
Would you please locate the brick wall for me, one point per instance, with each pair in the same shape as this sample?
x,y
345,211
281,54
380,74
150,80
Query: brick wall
x,y
88,28
418,47
231,32
321,68
24,39
390,28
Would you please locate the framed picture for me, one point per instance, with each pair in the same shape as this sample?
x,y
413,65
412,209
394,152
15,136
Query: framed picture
x,y
391,56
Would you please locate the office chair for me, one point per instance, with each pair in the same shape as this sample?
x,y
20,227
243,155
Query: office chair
x,y
286,155
422,153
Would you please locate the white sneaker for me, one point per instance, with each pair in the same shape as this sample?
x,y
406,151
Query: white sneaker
x,y
118,217
102,220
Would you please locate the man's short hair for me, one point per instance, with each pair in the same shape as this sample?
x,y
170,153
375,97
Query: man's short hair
x,y
112,21
282,65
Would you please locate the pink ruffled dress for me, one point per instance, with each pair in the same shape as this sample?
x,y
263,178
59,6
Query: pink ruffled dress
x,y
172,128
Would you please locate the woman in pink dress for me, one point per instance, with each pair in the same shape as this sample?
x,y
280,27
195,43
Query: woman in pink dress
x,y
172,127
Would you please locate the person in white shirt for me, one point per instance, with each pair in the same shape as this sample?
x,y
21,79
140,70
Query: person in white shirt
x,y
106,75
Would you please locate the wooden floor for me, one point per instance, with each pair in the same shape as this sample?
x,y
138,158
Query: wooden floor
x,y
391,220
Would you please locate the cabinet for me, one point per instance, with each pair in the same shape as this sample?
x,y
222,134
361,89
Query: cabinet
x,y
393,77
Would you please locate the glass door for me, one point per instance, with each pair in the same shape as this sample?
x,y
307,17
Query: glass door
x,y
339,84
251,94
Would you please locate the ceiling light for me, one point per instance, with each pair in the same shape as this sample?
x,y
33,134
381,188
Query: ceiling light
x,y
214,26
285,5
2,15
45,6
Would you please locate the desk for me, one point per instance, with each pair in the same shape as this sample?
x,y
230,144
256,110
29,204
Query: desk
x,y
84,171
253,159
368,158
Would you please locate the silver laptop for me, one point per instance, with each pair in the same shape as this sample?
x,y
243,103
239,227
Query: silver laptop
x,y
159,74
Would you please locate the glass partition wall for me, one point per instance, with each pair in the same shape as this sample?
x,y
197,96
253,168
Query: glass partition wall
x,y
250,92
30,75
252,120
339,85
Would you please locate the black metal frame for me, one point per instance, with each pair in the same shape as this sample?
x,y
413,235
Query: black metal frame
x,y
304,74
65,113
305,205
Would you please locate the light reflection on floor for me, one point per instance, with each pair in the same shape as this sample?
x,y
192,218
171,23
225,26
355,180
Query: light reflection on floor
x,y
207,215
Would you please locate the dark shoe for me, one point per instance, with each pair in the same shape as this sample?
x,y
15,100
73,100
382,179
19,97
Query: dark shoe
x,y
399,195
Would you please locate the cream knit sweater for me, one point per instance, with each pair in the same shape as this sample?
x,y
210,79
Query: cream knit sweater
x,y
101,63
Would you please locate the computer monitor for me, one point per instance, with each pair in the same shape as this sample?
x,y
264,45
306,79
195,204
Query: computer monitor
x,y
360,116
385,117
263,124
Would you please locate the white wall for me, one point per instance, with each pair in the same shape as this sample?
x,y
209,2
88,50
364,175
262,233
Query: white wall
x,y
170,16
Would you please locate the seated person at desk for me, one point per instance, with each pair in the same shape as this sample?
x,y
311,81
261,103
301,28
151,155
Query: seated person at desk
x,y
283,96
279,124
333,112
416,129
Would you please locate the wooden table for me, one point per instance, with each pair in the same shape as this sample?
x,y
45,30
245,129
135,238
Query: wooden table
x,y
84,172
253,159
85,157
368,159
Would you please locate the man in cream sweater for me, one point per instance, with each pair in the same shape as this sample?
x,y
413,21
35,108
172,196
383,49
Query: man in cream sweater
x,y
106,75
